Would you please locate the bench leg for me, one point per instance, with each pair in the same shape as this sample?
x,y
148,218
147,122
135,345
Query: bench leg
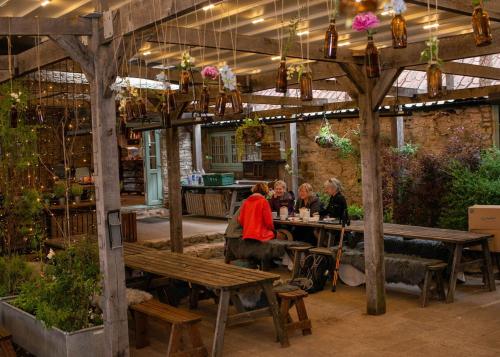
x,y
302,313
457,258
285,317
440,285
489,278
424,298
194,296
296,264
196,341
141,330
220,326
273,305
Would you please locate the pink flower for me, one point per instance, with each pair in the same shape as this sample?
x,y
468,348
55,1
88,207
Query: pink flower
x,y
210,72
365,21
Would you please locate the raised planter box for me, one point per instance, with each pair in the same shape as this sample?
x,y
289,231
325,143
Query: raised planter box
x,y
32,336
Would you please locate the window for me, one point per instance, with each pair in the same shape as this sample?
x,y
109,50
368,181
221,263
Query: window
x,y
223,152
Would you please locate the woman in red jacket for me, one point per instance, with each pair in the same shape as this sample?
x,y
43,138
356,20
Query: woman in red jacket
x,y
255,215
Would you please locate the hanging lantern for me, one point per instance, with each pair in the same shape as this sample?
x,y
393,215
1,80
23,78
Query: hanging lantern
x,y
281,79
143,112
13,113
372,59
236,102
398,28
481,27
204,102
434,80
331,40
220,104
306,89
184,81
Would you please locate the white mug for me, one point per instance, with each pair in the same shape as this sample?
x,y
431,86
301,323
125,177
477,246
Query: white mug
x,y
275,215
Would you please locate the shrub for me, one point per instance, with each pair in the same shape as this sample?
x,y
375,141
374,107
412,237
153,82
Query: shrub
x,y
60,190
14,271
355,212
76,190
63,296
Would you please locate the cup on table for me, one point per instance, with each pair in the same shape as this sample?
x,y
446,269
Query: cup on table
x,y
275,215
283,217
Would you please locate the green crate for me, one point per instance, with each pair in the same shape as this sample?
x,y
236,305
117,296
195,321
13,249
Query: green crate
x,y
218,179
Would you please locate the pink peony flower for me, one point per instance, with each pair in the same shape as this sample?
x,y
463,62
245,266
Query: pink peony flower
x,y
365,21
210,72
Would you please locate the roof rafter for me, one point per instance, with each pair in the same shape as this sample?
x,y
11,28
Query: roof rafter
x,y
462,7
32,26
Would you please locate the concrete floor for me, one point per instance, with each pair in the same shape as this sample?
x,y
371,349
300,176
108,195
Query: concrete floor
x,y
468,327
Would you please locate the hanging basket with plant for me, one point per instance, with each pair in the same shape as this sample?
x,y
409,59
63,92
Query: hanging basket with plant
x,y
326,138
251,132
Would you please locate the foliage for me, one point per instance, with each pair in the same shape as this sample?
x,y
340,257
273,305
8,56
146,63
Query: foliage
x,y
14,271
407,149
187,62
431,52
478,2
252,131
299,69
469,186
76,190
60,189
355,212
326,138
63,295
292,33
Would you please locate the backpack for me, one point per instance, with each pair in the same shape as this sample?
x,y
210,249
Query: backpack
x,y
314,272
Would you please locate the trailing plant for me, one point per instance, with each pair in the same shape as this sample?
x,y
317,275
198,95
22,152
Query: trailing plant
x,y
326,138
251,132
14,271
431,52
63,296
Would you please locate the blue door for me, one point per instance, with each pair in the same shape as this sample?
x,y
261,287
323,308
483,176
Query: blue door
x,y
152,169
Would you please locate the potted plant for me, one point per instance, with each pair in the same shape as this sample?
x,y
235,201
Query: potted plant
x,y
76,191
326,138
251,132
60,192
56,314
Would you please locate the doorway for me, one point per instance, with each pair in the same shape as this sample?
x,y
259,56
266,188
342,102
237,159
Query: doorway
x,y
152,168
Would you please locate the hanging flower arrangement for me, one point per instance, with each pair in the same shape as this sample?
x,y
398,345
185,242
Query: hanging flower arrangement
x,y
326,138
368,21
186,66
481,24
230,85
252,131
398,23
210,73
281,78
434,74
304,77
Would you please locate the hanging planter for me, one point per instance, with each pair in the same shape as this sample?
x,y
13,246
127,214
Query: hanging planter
x,y
229,85
306,86
481,25
207,73
434,73
251,132
236,101
220,104
186,66
327,139
331,41
367,22
281,77
398,24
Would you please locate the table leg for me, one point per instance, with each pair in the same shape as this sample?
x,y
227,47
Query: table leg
x,y
274,306
457,258
234,196
321,239
220,326
489,278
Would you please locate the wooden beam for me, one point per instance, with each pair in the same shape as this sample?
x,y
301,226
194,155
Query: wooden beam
x,y
355,75
244,43
78,52
461,7
383,86
465,69
33,26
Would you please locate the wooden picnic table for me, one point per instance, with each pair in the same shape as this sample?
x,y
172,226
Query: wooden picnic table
x,y
455,239
224,278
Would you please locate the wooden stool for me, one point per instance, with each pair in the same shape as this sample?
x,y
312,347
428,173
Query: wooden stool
x,y
180,321
434,271
298,251
287,300
6,348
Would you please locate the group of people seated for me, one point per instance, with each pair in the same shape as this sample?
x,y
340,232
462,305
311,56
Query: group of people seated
x,y
255,217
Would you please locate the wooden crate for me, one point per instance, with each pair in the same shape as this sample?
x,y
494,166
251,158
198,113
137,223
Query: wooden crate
x,y
195,203
215,205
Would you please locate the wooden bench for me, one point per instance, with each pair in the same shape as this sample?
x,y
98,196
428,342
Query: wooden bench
x,y
6,348
181,322
287,299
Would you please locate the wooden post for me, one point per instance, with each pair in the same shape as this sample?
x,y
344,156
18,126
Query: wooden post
x,y
198,147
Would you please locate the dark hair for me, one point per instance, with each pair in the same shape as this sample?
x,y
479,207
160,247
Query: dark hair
x,y
261,188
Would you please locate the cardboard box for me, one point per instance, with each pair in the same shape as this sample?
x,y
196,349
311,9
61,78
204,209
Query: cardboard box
x,y
494,242
484,217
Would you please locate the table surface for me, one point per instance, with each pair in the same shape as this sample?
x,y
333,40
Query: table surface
x,y
227,187
417,232
192,269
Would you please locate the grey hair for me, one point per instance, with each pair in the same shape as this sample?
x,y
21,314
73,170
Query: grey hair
x,y
280,183
335,183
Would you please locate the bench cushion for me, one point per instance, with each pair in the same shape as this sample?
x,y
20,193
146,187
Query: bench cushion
x,y
418,247
164,312
252,249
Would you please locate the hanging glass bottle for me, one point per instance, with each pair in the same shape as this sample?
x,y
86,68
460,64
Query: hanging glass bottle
x,y
236,101
220,104
331,41
142,109
281,78
434,80
169,101
184,80
372,60
129,110
481,27
398,29
204,102
136,109
306,86
13,116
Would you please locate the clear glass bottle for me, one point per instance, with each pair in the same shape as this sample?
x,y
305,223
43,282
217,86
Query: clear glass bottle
x,y
204,102
434,80
398,29
481,27
306,86
281,78
372,59
220,104
331,41
236,101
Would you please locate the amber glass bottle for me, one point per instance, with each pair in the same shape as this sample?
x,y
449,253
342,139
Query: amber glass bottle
x,y
129,110
398,29
169,101
204,100
236,101
331,41
281,79
372,60
481,27
306,86
434,80
185,78
220,104
142,108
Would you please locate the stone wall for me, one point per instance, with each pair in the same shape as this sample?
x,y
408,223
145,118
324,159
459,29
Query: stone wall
x,y
186,157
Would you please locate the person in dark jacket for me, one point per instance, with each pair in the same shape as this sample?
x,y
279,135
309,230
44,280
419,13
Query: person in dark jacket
x,y
337,203
308,199
281,198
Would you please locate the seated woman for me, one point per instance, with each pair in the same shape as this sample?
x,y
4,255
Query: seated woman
x,y
337,203
281,198
308,199
255,215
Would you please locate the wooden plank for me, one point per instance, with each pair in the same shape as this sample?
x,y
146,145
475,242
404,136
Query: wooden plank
x,y
33,26
461,7
465,69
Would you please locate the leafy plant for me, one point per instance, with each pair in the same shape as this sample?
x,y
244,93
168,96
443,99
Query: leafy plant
x,y
355,212
326,138
60,189
478,2
407,149
431,52
76,190
292,33
14,271
252,131
63,296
